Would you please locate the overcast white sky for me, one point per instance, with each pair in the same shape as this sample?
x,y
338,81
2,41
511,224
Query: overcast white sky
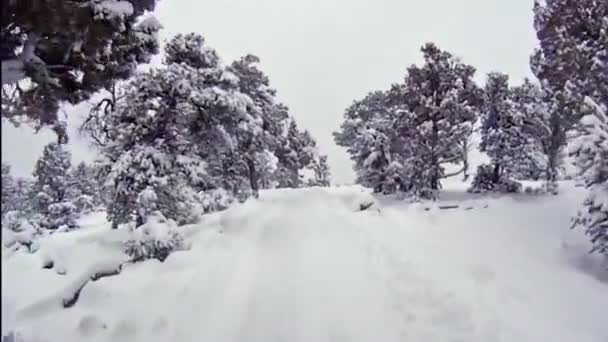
x,y
322,54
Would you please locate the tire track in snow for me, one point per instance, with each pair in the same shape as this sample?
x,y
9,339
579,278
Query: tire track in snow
x,y
302,276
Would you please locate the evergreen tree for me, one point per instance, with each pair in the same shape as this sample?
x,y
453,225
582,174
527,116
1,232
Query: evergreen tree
x,y
254,145
591,153
84,188
573,58
176,130
548,117
370,138
51,198
437,105
68,50
24,196
322,175
293,156
502,135
8,190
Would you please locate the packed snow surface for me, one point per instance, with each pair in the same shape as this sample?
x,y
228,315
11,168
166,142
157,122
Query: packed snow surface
x,y
309,265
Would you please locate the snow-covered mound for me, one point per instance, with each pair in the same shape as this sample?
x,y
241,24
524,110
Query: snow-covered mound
x,y
325,265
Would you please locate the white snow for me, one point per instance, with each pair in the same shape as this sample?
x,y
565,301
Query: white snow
x,y
307,265
110,9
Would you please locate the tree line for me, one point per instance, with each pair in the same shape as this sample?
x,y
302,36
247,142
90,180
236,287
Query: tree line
x,y
404,138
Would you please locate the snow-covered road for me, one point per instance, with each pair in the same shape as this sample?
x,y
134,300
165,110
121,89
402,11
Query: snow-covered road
x,y
307,266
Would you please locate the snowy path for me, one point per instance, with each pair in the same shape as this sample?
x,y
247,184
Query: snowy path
x,y
304,266
295,284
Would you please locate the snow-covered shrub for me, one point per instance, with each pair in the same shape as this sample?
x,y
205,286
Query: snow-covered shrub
x,y
485,180
155,239
84,204
215,200
61,214
20,231
550,188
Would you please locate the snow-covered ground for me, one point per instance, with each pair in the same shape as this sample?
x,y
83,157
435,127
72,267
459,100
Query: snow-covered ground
x,y
306,265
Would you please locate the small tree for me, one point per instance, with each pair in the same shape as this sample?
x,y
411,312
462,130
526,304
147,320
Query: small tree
x,y
502,136
322,176
373,144
51,199
8,189
84,188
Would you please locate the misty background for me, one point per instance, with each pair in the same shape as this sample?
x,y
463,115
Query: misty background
x,y
321,55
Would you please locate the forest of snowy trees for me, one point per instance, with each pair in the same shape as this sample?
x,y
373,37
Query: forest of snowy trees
x,y
402,139
177,141
195,134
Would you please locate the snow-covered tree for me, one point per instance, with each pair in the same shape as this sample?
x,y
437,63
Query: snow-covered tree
x,y
255,146
502,135
296,154
148,150
64,51
8,189
50,188
548,117
84,189
175,130
322,174
573,58
591,153
370,138
573,53
436,107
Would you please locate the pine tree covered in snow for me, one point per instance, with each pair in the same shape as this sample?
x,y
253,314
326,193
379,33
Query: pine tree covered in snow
x,y
20,224
322,174
402,139
148,149
439,103
502,136
573,58
8,189
295,156
548,117
194,131
51,198
69,50
83,188
174,132
256,147
369,137
591,153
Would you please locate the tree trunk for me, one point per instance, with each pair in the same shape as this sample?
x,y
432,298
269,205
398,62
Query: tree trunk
x,y
139,221
496,175
253,177
551,172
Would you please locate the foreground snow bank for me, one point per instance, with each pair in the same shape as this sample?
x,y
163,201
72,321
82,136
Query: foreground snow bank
x,y
311,265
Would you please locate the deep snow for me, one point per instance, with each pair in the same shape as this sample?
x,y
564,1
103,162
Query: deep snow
x,y
306,265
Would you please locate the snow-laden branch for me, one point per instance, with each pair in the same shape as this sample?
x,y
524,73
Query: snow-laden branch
x,y
13,70
456,173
